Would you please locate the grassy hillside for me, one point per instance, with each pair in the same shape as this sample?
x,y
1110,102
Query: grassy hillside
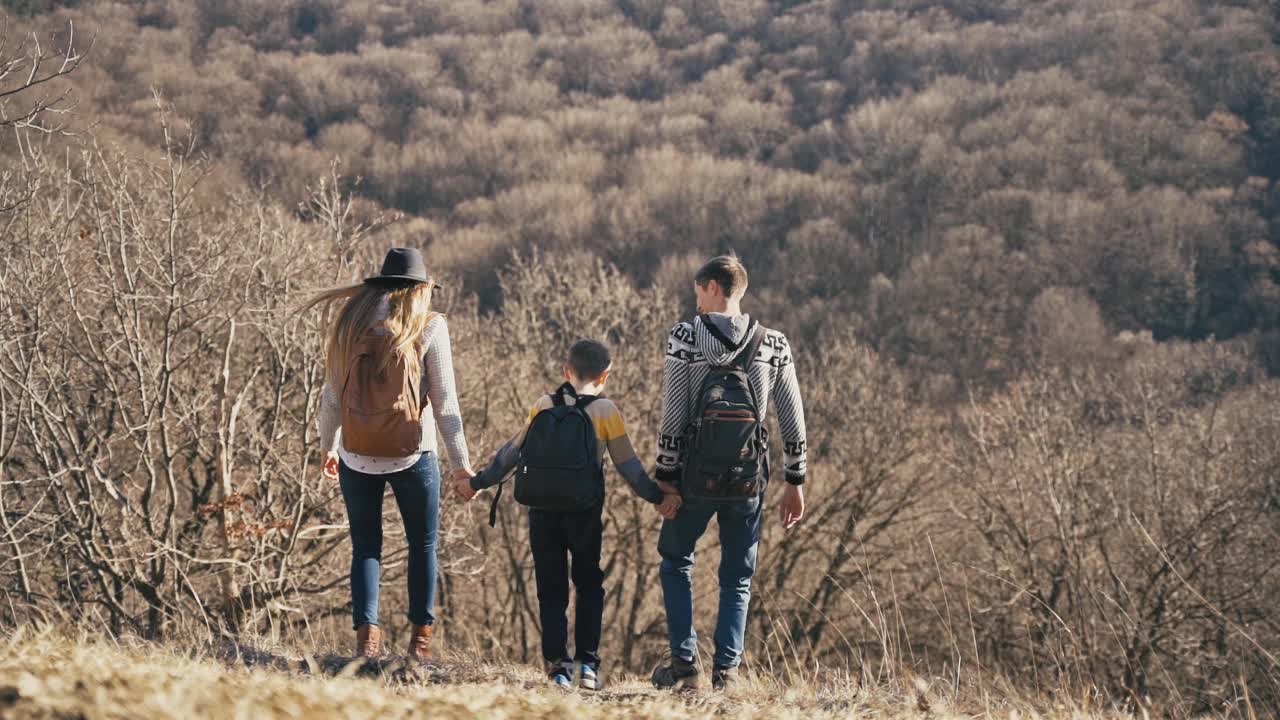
x,y
1027,255
50,676
1105,526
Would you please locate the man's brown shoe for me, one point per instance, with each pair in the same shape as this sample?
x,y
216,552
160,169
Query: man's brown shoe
x,y
420,643
368,641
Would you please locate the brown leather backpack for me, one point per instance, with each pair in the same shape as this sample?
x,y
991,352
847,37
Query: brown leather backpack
x,y
381,411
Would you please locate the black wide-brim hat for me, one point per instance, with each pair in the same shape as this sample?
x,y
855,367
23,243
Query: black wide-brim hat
x,y
400,266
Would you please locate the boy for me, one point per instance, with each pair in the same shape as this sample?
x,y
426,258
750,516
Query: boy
x,y
552,534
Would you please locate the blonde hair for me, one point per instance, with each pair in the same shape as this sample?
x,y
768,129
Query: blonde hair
x,y
408,312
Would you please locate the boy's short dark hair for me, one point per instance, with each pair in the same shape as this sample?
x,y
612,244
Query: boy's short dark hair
x,y
589,359
727,271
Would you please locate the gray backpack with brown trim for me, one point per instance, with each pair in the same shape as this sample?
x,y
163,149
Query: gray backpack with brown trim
x,y
727,443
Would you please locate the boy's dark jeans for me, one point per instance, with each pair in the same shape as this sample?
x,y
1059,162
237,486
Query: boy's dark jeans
x,y
417,492
554,536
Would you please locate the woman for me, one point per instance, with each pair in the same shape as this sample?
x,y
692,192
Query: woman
x,y
385,327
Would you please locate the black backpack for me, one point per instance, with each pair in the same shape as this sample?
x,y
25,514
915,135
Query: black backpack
x,y
559,467
727,444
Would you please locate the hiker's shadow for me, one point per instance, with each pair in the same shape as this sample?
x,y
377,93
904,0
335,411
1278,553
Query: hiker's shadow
x,y
388,668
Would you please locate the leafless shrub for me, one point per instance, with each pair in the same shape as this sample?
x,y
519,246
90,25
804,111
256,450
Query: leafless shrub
x,y
157,398
1110,528
1128,555
30,95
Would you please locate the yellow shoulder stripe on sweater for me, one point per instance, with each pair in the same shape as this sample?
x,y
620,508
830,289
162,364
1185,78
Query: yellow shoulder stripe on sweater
x,y
611,426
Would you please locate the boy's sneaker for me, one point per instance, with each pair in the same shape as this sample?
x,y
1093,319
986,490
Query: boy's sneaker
x,y
723,677
680,674
589,676
560,674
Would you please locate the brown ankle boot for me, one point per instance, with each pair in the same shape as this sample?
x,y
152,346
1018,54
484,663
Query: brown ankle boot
x,y
420,643
368,641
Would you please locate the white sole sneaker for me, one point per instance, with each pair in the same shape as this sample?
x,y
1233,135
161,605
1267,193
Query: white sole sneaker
x,y
589,680
561,675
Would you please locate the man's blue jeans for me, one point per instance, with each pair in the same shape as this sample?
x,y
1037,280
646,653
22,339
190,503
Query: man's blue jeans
x,y
417,491
739,522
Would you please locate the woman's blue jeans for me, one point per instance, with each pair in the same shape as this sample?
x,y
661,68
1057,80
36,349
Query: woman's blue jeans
x,y
417,492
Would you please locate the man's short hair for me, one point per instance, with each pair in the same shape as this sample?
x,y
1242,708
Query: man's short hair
x,y
589,359
727,271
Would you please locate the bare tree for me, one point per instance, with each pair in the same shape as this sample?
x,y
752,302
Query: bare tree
x,y
1120,530
30,95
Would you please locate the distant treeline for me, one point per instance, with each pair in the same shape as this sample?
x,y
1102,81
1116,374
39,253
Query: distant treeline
x,y
1037,214
963,184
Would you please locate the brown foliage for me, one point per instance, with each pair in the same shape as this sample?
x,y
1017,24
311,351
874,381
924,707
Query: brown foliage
x,y
1017,206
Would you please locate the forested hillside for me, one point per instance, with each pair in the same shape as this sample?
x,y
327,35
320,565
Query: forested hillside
x,y
1026,254
958,183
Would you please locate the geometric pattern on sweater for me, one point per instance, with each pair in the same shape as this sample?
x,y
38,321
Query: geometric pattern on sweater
x,y
691,352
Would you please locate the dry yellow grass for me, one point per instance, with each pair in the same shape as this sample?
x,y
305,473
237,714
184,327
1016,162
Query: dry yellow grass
x,y
45,674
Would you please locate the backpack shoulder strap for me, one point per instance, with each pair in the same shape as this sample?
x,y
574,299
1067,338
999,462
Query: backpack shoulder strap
x,y
744,359
593,439
493,504
579,401
557,397
750,345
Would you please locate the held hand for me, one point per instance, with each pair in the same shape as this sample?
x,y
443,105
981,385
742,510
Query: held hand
x,y
462,488
669,506
462,483
330,466
792,506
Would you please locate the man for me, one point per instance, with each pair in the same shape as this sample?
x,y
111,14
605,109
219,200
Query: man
x,y
707,360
